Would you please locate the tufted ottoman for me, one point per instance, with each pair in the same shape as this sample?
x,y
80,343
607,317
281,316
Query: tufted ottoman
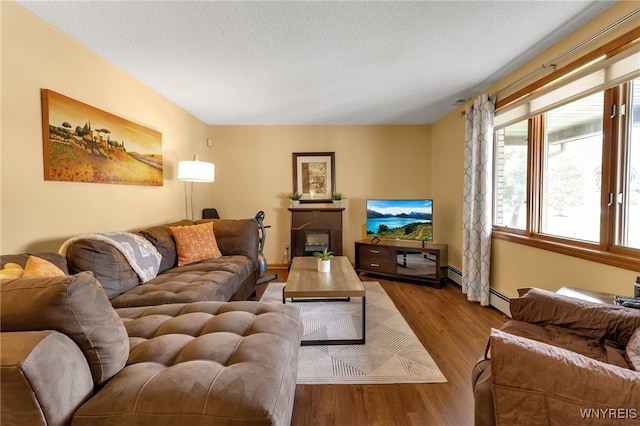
x,y
203,363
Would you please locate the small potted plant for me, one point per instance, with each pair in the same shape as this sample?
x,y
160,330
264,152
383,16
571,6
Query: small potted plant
x,y
295,198
324,264
336,199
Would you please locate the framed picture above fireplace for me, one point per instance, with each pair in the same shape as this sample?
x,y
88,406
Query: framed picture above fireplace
x,y
314,176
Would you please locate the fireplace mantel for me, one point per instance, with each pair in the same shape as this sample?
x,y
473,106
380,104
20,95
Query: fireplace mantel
x,y
314,228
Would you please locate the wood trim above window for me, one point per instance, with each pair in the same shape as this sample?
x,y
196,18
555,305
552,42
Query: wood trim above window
x,y
629,259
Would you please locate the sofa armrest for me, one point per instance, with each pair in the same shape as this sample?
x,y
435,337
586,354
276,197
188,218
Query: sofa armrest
x,y
538,384
108,265
45,378
601,321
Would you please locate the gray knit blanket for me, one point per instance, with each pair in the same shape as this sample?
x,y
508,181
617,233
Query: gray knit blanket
x,y
143,257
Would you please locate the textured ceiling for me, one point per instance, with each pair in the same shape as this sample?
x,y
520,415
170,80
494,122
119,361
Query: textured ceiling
x,y
326,62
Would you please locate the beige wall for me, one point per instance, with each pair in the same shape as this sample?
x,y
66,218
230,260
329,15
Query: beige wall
x,y
254,172
447,138
38,215
513,265
253,163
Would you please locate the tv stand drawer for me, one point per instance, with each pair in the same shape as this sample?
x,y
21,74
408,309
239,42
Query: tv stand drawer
x,y
377,258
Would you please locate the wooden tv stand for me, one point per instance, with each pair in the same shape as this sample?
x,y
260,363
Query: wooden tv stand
x,y
410,260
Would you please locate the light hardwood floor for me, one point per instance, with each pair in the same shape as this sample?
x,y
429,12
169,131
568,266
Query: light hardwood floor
x,y
455,333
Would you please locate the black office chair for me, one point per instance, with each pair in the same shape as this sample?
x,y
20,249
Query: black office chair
x,y
210,214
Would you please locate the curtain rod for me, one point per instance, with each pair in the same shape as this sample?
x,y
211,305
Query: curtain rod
x,y
552,63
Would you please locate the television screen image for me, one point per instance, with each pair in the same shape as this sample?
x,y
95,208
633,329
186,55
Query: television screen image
x,y
400,219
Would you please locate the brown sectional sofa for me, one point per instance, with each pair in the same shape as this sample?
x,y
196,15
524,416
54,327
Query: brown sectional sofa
x,y
69,356
231,277
558,360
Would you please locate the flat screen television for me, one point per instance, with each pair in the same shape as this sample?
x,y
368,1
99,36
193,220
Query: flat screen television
x,y
400,219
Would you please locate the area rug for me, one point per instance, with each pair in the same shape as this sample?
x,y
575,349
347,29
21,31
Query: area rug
x,y
392,353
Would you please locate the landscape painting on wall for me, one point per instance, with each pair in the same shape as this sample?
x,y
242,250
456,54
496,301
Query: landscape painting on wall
x,y
85,144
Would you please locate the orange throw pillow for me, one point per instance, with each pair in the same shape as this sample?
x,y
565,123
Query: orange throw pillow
x,y
38,267
195,243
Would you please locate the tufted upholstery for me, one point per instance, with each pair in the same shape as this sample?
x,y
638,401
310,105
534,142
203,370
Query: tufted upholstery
x,y
213,363
211,279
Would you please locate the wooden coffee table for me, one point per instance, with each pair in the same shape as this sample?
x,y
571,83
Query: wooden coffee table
x,y
305,283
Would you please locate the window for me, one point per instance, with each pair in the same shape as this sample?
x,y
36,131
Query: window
x,y
627,193
510,176
572,169
567,169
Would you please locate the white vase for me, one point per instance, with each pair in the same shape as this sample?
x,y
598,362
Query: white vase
x,y
324,265
337,203
295,203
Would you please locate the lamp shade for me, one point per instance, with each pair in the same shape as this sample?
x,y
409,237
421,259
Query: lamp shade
x,y
196,171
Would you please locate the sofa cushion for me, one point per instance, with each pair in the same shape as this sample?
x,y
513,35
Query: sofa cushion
x,y
195,243
203,363
38,267
162,238
572,340
236,236
211,279
74,305
601,321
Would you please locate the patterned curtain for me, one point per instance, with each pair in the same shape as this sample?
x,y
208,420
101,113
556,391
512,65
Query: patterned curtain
x,y
478,170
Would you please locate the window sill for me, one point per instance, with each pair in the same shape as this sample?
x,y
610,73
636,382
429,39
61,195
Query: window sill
x,y
620,260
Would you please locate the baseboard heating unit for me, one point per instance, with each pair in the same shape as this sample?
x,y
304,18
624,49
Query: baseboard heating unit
x,y
496,299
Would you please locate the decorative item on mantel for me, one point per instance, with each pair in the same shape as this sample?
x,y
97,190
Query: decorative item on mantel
x,y
336,199
324,262
295,199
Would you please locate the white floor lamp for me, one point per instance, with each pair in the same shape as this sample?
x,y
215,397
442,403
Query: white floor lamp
x,y
195,171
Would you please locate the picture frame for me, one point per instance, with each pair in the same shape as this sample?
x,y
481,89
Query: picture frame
x,y
82,143
314,176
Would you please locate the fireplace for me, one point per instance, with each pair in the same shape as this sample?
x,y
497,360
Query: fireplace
x,y
314,229
314,240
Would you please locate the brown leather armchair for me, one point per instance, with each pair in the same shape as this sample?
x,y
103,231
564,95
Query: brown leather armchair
x,y
560,361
